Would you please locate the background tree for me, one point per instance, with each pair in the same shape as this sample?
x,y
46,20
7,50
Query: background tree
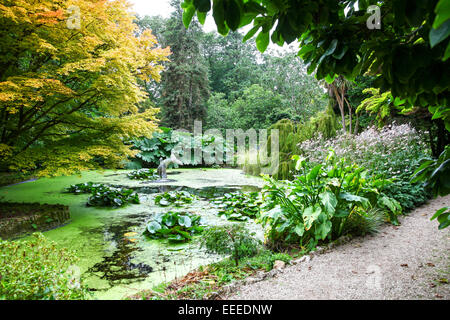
x,y
69,96
185,87
409,55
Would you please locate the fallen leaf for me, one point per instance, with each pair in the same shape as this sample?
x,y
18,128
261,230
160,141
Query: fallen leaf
x,y
130,234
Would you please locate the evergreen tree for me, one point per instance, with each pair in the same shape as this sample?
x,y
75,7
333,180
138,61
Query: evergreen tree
x,y
185,87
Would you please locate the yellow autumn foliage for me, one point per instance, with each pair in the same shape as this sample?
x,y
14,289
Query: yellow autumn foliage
x,y
69,96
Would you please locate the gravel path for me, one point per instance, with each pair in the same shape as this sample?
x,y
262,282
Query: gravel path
x,y
411,261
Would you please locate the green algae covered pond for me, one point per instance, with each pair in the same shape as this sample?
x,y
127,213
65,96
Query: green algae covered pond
x,y
116,260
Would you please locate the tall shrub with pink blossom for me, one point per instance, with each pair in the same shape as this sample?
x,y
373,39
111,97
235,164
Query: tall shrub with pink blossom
x,y
393,151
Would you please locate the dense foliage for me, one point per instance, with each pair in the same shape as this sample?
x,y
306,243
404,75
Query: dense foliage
x,y
174,226
291,134
319,202
68,95
409,55
151,150
436,174
36,269
234,239
393,151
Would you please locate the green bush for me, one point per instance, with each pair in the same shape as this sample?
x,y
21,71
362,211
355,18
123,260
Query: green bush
x,y
174,226
36,270
291,134
234,239
317,204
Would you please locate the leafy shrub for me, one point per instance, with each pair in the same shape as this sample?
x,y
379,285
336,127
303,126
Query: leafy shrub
x,y
36,270
174,226
436,175
175,198
112,197
318,203
239,206
152,149
141,174
291,134
234,239
161,144
395,152
87,187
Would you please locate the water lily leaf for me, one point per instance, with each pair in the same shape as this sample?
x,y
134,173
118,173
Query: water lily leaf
x,y
185,221
153,227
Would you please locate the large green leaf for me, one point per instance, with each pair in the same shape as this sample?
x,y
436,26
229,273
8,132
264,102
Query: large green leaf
x,y
202,5
262,41
323,230
185,221
329,201
310,215
153,227
440,34
354,198
442,13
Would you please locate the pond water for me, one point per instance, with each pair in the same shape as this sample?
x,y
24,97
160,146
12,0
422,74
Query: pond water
x,y
116,260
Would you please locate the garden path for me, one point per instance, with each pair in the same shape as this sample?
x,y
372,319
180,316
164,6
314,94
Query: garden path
x,y
411,261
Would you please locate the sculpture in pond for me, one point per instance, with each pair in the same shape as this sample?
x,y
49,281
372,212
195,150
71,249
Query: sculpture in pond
x,y
163,164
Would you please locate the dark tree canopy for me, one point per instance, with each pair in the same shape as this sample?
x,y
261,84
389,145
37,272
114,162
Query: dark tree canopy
x,y
408,54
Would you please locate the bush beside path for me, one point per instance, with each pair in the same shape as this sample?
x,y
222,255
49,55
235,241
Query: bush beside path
x,y
411,261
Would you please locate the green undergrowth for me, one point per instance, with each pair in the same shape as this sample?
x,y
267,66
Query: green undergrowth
x,y
206,280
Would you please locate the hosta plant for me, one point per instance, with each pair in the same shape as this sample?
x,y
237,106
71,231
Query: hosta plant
x,y
174,198
174,226
143,174
317,204
239,206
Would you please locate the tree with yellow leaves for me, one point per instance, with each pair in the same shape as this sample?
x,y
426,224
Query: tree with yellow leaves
x,y
69,84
